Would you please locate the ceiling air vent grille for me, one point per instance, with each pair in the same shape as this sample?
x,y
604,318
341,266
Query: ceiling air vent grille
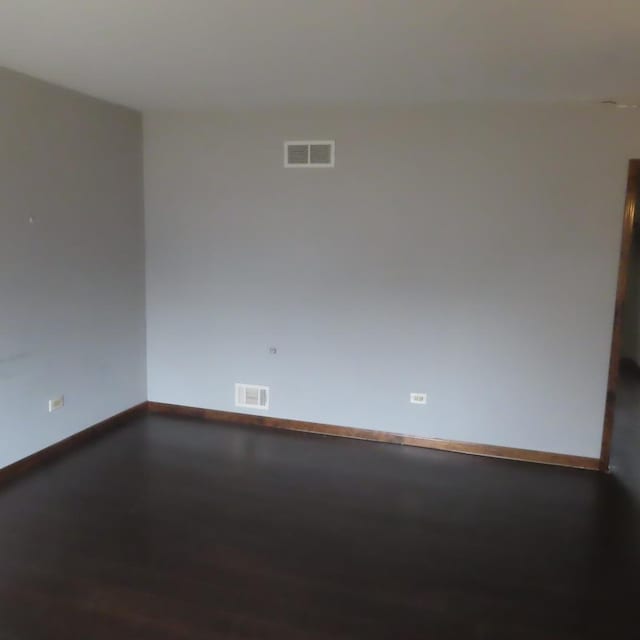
x,y
309,153
252,396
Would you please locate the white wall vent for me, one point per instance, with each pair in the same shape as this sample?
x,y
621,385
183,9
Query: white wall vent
x,y
252,396
309,153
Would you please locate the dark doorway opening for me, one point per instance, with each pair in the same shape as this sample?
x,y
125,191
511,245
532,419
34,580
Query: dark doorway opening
x,y
624,362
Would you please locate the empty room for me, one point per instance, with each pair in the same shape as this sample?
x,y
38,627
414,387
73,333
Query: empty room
x,y
319,319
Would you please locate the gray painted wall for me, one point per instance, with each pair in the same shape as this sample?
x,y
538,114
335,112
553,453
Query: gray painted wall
x,y
466,251
72,317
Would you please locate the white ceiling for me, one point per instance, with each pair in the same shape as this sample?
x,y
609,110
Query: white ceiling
x,y
198,54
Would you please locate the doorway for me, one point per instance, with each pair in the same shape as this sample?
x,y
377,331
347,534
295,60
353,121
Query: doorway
x,y
622,410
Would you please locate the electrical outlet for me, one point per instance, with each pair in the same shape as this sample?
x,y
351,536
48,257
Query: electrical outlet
x,y
418,398
56,403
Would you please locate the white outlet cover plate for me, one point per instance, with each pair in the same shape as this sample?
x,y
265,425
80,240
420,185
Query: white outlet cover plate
x,y
56,403
418,398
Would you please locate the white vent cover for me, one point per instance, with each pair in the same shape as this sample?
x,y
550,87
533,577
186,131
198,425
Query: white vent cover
x,y
252,396
309,153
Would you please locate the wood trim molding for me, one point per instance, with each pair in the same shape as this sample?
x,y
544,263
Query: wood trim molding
x,y
59,448
621,293
509,453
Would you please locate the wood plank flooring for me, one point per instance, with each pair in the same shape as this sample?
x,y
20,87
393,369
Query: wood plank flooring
x,y
176,529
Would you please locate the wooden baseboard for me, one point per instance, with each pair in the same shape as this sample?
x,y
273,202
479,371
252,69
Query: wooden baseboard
x,y
509,453
58,448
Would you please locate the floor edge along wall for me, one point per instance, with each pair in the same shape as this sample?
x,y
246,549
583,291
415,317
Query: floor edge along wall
x,y
493,451
212,415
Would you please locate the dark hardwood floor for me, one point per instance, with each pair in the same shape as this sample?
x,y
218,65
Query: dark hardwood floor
x,y
175,529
